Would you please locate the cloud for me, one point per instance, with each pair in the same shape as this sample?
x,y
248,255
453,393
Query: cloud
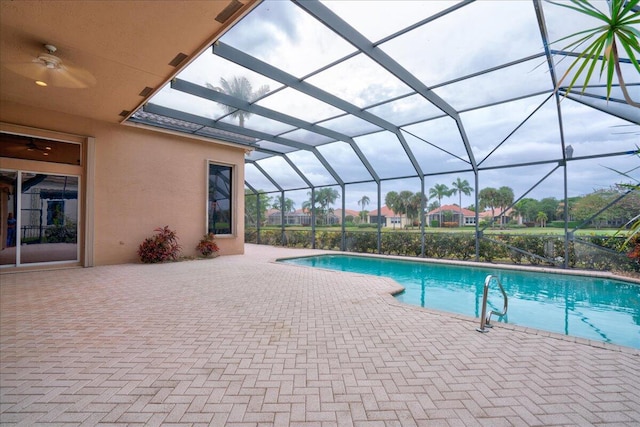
x,y
268,21
477,36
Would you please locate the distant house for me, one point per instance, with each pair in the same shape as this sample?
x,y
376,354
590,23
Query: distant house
x,y
500,217
452,214
347,214
299,217
388,218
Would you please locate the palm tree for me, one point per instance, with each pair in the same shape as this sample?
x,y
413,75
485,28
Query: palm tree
x,y
542,218
414,206
289,205
324,198
404,200
439,191
488,198
363,202
240,88
392,200
504,199
459,187
619,25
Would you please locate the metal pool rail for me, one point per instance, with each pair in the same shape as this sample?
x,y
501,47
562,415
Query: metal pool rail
x,y
485,320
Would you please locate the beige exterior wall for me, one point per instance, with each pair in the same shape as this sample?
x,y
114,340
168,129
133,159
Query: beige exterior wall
x,y
144,179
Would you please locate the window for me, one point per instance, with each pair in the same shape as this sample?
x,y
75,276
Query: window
x,y
219,199
44,150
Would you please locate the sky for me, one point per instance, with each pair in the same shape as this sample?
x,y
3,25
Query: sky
x,y
471,39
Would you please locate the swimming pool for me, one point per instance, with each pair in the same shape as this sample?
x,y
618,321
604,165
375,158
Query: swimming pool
x,y
588,307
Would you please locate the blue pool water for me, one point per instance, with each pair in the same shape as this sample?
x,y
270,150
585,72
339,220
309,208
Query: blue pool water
x,y
587,307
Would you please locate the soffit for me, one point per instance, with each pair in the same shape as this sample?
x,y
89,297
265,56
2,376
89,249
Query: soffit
x,y
126,45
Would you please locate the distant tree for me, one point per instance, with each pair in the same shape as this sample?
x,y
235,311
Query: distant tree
x,y
516,212
414,207
323,199
549,205
488,198
326,197
251,213
393,202
404,202
289,205
528,208
590,204
541,218
629,206
308,207
439,191
363,202
461,187
504,200
241,88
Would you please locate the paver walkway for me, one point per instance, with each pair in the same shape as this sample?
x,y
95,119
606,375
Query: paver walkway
x,y
242,341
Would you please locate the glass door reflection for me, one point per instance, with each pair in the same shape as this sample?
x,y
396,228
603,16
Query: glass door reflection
x,y
48,225
8,227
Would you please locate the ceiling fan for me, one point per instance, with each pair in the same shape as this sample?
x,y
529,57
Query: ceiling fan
x,y
48,69
32,146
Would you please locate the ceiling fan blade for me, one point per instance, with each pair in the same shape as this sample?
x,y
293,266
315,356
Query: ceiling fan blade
x,y
64,76
79,75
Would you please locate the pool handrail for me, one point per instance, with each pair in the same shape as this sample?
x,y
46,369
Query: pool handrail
x,y
485,321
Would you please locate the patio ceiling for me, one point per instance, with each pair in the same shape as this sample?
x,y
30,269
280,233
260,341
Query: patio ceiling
x,y
354,92
128,46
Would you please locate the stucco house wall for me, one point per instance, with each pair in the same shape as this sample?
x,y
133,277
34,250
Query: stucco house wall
x,y
144,179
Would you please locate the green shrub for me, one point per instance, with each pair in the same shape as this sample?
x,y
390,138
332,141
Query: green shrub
x,y
365,225
462,246
362,241
251,235
298,239
66,233
331,240
407,244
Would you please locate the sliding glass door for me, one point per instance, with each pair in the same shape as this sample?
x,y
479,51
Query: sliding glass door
x,y
8,228
41,212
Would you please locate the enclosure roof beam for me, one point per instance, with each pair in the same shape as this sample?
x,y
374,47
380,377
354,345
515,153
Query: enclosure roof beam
x,y
273,181
347,32
286,159
234,55
192,118
216,96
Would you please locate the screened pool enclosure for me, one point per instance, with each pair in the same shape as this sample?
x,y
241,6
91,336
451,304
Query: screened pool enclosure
x,y
367,98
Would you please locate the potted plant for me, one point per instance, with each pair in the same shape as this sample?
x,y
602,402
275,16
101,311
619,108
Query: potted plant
x,y
207,246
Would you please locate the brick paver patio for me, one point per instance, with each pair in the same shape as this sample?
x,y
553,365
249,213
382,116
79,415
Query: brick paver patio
x,y
242,341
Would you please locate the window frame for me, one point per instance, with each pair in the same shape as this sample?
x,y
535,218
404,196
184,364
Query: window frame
x,y
232,197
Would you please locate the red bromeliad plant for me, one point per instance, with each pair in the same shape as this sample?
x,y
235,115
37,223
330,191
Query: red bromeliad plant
x,y
207,246
161,247
634,255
